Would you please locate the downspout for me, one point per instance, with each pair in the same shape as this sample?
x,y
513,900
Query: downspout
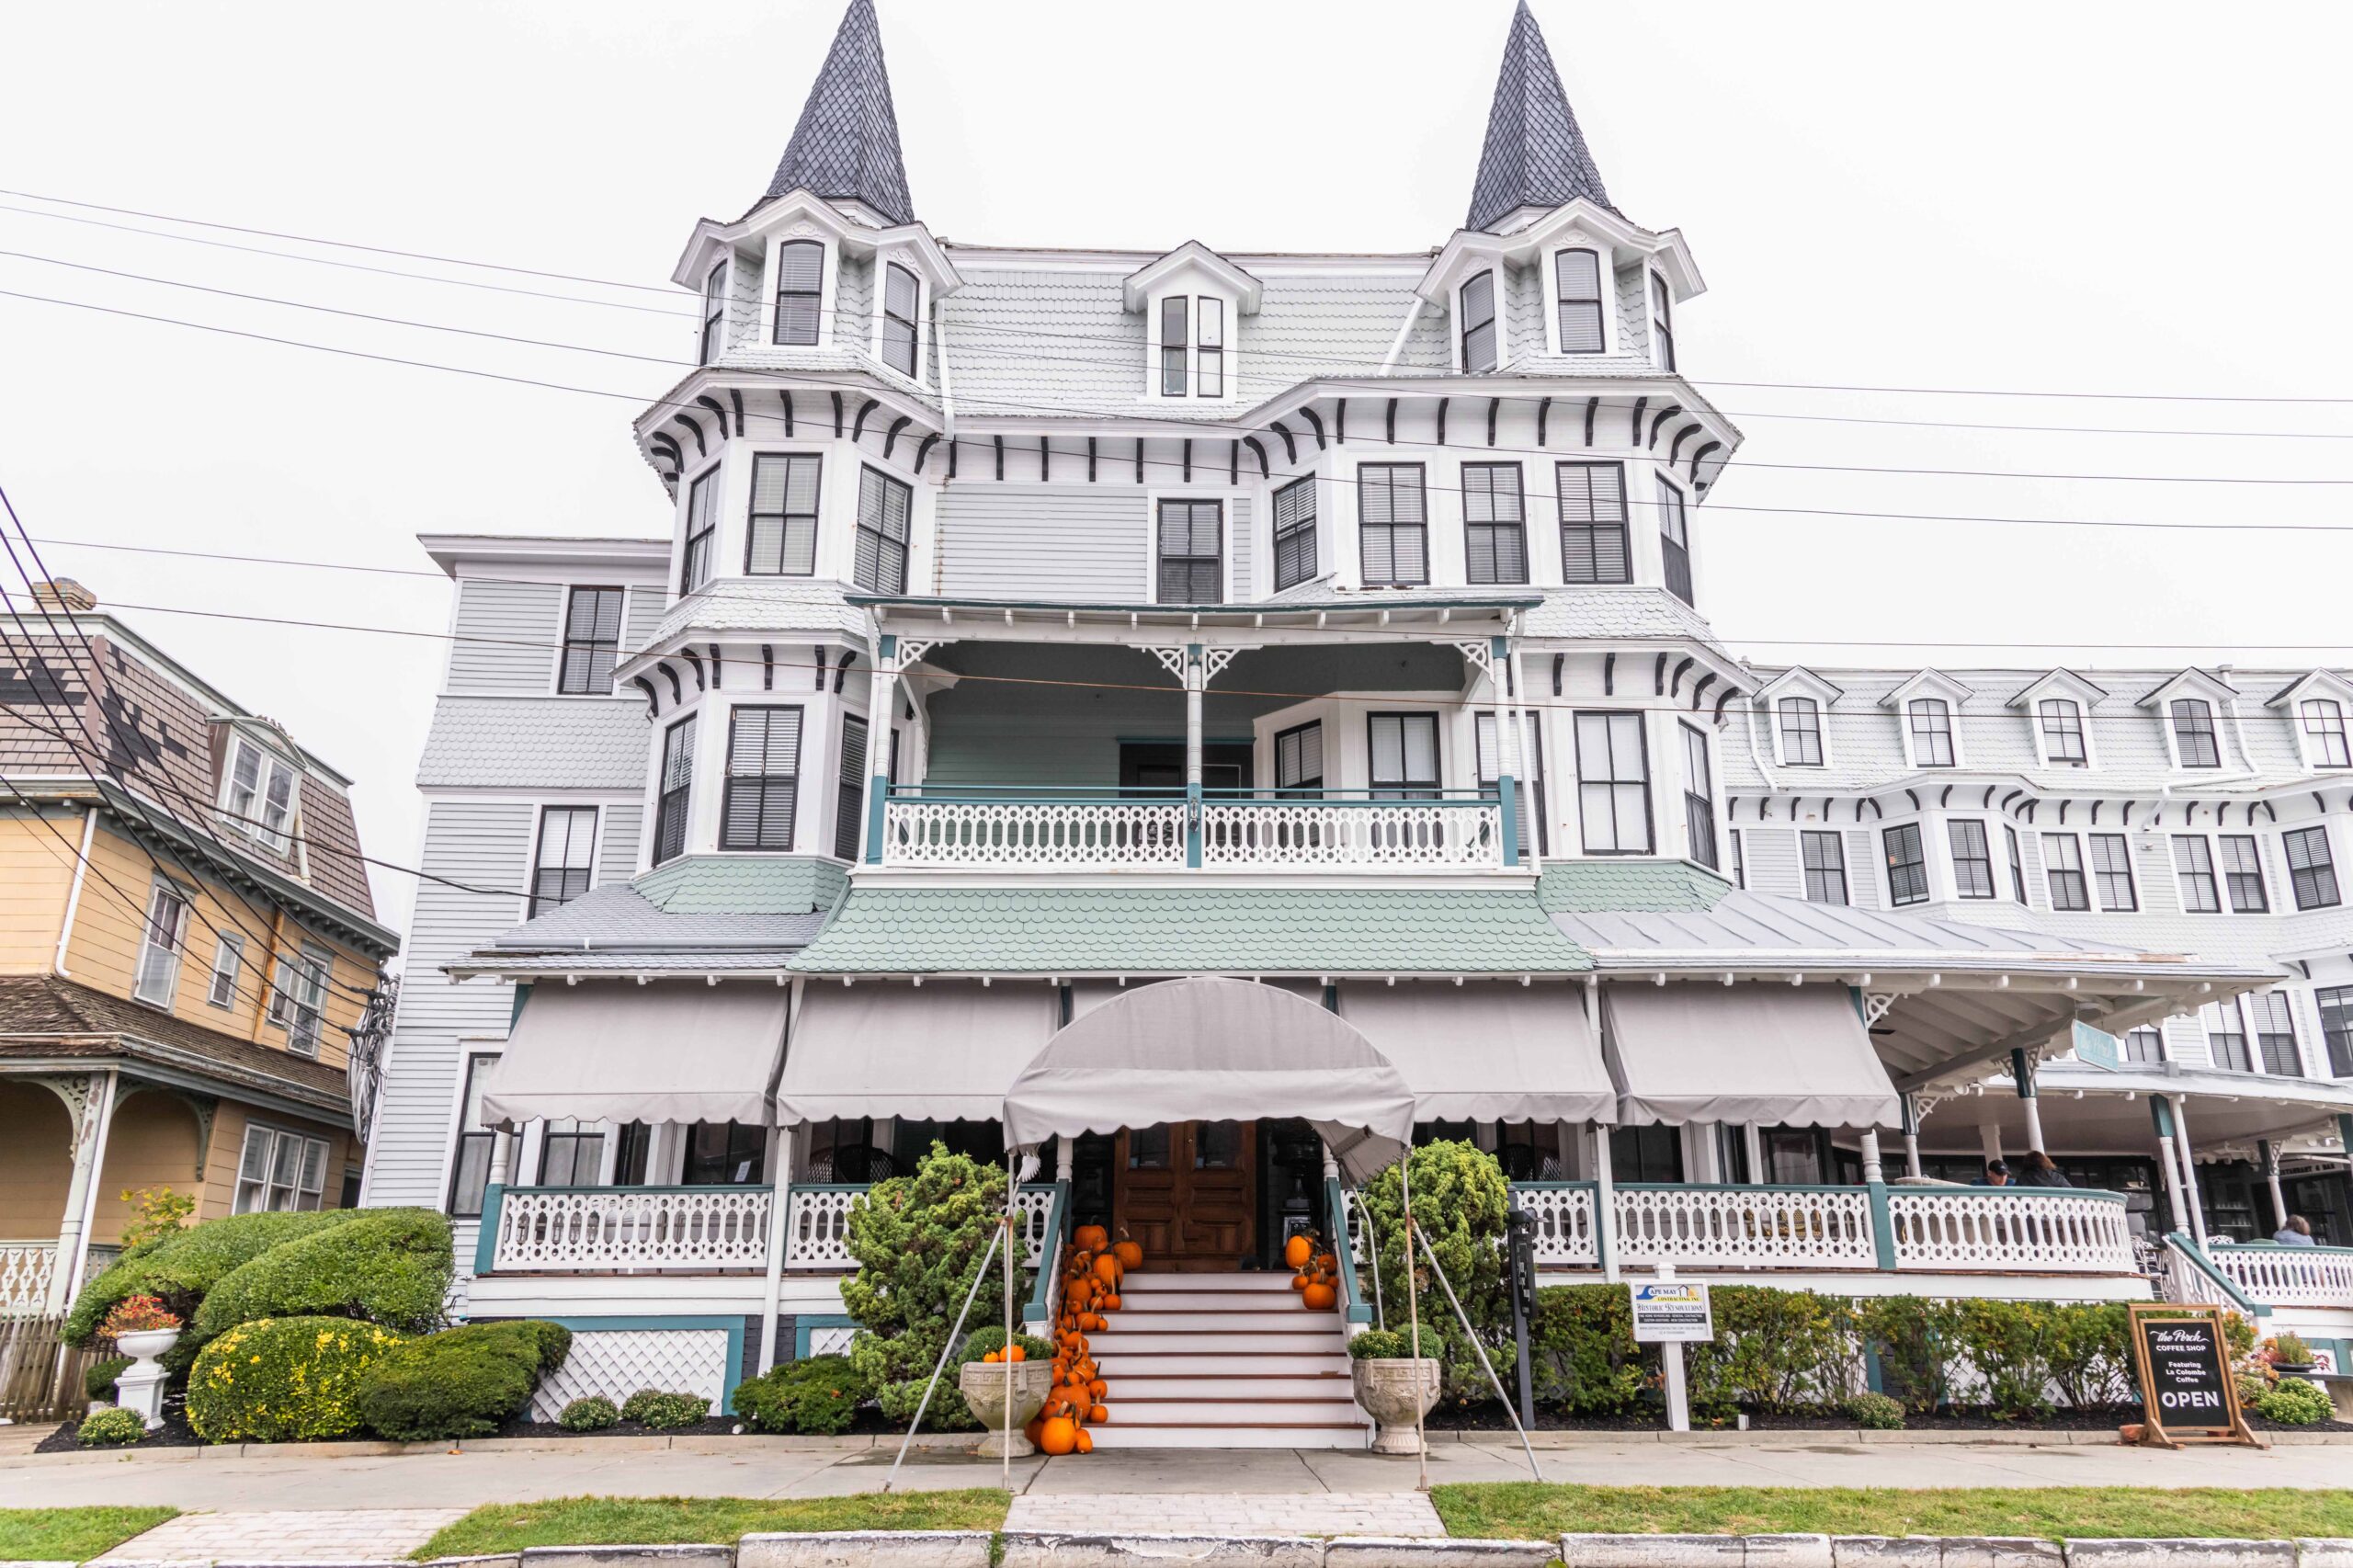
x,y
74,896
1397,347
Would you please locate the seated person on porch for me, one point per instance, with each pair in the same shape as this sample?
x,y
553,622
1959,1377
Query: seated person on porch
x,y
2041,1171
2296,1233
1996,1174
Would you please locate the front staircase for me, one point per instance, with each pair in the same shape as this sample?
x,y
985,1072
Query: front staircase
x,y
1223,1361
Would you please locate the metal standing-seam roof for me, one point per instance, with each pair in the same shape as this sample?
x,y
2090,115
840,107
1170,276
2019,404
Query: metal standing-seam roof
x,y
1534,154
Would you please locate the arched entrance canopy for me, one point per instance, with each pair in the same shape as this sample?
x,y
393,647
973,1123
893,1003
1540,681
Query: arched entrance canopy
x,y
1215,1050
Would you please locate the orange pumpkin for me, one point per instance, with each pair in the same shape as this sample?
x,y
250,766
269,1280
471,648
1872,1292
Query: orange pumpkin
x,y
1036,1424
1059,1436
992,1357
1015,1353
1097,1415
1085,1443
1129,1253
1299,1281
1092,1237
1319,1298
1109,1303
1097,1390
1327,1262
1297,1250
1108,1270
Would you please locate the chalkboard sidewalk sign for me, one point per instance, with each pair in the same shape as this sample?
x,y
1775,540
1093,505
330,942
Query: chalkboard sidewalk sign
x,y
2183,1359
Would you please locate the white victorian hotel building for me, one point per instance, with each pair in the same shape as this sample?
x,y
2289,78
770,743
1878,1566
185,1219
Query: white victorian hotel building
x,y
1297,665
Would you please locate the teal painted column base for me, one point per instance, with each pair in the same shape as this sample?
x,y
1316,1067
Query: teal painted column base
x,y
1883,1227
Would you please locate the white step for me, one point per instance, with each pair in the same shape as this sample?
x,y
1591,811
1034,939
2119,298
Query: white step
x,y
1340,1412
1187,1363
1148,1281
1304,1340
1138,1319
1140,1436
1192,1299
1140,1387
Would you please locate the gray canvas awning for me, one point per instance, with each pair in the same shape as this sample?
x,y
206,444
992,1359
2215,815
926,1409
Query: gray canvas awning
x,y
620,1052
1797,1056
942,1052
1214,1050
1487,1052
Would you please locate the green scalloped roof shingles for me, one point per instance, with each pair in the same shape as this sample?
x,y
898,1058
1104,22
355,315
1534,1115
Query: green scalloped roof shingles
x,y
720,885
1160,930
1629,887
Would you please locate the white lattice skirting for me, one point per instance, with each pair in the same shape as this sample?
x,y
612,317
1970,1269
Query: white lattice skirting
x,y
617,1362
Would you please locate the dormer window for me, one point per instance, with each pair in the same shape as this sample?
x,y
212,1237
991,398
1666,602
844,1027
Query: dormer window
x,y
2194,742
702,526
799,291
2062,724
1801,728
714,313
902,296
1577,281
1478,297
2324,738
1930,721
1208,352
1172,335
259,797
1662,322
1192,345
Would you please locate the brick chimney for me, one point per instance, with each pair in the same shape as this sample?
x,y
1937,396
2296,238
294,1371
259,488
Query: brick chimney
x,y
64,594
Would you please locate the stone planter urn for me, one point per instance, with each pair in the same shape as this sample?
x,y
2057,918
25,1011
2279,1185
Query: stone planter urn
x,y
1396,1392
140,1387
985,1385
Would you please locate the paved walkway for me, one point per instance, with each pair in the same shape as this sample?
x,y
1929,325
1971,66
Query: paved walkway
x,y
1226,1512
318,1535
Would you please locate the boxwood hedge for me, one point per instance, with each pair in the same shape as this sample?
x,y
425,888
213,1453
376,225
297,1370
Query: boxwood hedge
x,y
385,1266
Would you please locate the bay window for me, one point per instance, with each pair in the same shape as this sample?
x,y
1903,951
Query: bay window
x,y
901,300
1577,281
1675,541
1824,855
780,539
674,790
2193,870
714,314
279,1170
1973,858
2112,873
1699,797
1594,547
2312,871
2242,873
761,797
1907,864
800,292
1613,784
1493,527
1405,756
2063,871
1662,323
1478,316
1295,533
695,565
1392,525
884,507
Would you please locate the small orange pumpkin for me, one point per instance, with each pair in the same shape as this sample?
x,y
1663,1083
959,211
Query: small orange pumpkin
x,y
1036,1424
1299,1281
1298,1251
1097,1415
1092,1237
1108,1270
992,1357
1097,1390
1085,1443
1319,1298
1059,1434
1109,1303
1015,1353
1129,1253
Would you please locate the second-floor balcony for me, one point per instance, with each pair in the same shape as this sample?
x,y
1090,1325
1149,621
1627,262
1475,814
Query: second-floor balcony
x,y
1077,828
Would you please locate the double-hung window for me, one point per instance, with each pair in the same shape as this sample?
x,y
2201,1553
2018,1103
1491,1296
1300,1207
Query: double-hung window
x,y
1825,866
2243,874
2275,1033
1699,797
2337,1027
280,1170
714,313
2018,864
469,1161
2112,871
2325,737
902,299
2195,744
1594,546
2312,872
166,936
1174,312
1675,541
883,507
1209,347
1479,324
2193,870
566,859
2146,1043
1613,784
1393,525
1576,281
571,1153
2226,1036
2063,732
1299,759
674,790
1973,858
1931,719
1189,568
799,291
1295,533
1405,756
228,970
298,996
1800,719
695,564
2063,869
260,799
1662,322
592,639
849,789
1494,527
763,777
1907,864
781,538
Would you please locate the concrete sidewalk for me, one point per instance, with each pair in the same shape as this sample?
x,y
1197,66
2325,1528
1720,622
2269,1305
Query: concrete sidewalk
x,y
282,1480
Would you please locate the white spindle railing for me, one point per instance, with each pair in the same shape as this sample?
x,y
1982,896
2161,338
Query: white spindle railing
x,y
1565,1236
1771,1227
694,1229
1389,833
817,1226
1035,1205
2289,1277
2043,1233
1056,835
25,1272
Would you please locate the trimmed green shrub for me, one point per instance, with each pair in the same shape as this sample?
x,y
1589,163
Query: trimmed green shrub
x,y
183,1268
1875,1412
982,1341
387,1266
651,1407
463,1382
2089,1349
918,1241
1581,1350
1917,1339
1459,1201
2009,1342
111,1428
818,1395
2294,1401
592,1412
1380,1345
283,1380
98,1381
1776,1352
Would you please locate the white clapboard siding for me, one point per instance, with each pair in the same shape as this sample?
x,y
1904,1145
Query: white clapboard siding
x,y
645,607
1044,541
616,840
507,636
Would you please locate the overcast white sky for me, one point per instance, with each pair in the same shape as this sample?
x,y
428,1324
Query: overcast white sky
x,y
2111,198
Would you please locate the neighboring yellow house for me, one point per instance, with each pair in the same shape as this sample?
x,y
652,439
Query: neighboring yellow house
x,y
188,951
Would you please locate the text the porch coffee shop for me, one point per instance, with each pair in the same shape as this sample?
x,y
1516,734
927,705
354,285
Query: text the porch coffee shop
x,y
2183,1359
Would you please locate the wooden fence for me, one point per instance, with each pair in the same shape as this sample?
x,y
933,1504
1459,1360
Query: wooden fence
x,y
35,1384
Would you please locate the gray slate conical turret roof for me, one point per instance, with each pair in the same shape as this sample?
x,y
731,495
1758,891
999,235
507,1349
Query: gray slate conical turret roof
x,y
1535,155
847,146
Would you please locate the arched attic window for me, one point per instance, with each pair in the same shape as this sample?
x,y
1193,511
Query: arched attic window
x,y
799,291
1577,281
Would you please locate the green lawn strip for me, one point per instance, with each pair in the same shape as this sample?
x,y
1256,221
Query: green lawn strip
x,y
665,1521
56,1534
1529,1511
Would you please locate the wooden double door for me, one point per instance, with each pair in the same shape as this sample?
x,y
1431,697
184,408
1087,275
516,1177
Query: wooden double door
x,y
1188,1192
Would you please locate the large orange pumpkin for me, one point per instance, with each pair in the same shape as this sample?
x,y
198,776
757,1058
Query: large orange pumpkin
x,y
1108,1270
1092,1237
1059,1434
1129,1253
1297,1250
1319,1298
